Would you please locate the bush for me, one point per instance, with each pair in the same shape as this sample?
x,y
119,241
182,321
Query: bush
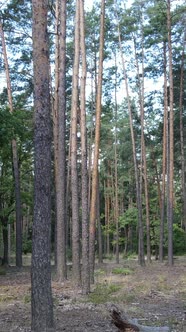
x,y
179,240
27,246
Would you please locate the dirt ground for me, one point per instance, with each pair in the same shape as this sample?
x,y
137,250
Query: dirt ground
x,y
154,295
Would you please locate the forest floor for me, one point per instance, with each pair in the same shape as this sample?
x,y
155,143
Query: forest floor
x,y
154,295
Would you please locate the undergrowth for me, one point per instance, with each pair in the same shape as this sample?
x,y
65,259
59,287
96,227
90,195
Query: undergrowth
x,y
103,293
121,270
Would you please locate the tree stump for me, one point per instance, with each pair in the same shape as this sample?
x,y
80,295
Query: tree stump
x,y
126,325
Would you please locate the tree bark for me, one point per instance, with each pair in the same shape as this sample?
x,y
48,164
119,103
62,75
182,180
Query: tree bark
x,y
74,172
41,293
124,324
171,144
141,258
96,148
116,171
165,127
143,169
84,177
15,159
61,174
182,135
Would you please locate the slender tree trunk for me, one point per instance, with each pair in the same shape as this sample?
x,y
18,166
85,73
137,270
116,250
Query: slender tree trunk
x,y
165,124
182,135
41,298
143,146
74,172
61,175
5,240
106,196
100,244
55,118
15,160
68,186
116,173
100,241
96,148
141,258
84,180
171,145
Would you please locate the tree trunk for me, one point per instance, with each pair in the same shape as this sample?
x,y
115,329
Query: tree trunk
x,y
171,144
116,171
5,240
74,172
141,258
182,135
100,242
165,124
143,169
61,174
84,179
107,235
96,148
41,293
15,160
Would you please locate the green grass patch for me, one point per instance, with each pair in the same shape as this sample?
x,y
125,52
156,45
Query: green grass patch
x,y
121,270
7,298
103,293
99,272
27,298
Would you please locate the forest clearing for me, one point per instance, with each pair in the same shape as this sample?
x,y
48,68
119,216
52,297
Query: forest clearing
x,y
154,295
92,165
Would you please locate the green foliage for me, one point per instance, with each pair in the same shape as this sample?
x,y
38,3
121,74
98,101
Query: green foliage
x,y
27,245
129,217
103,293
179,240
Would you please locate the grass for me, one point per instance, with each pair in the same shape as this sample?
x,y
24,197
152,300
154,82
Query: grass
x,y
27,298
7,298
103,293
121,270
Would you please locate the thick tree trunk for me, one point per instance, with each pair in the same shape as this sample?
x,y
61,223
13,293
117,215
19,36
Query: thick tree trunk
x,y
15,160
74,171
96,148
41,293
84,179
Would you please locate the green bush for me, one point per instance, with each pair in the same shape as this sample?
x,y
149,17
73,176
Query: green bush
x,y
27,246
179,240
